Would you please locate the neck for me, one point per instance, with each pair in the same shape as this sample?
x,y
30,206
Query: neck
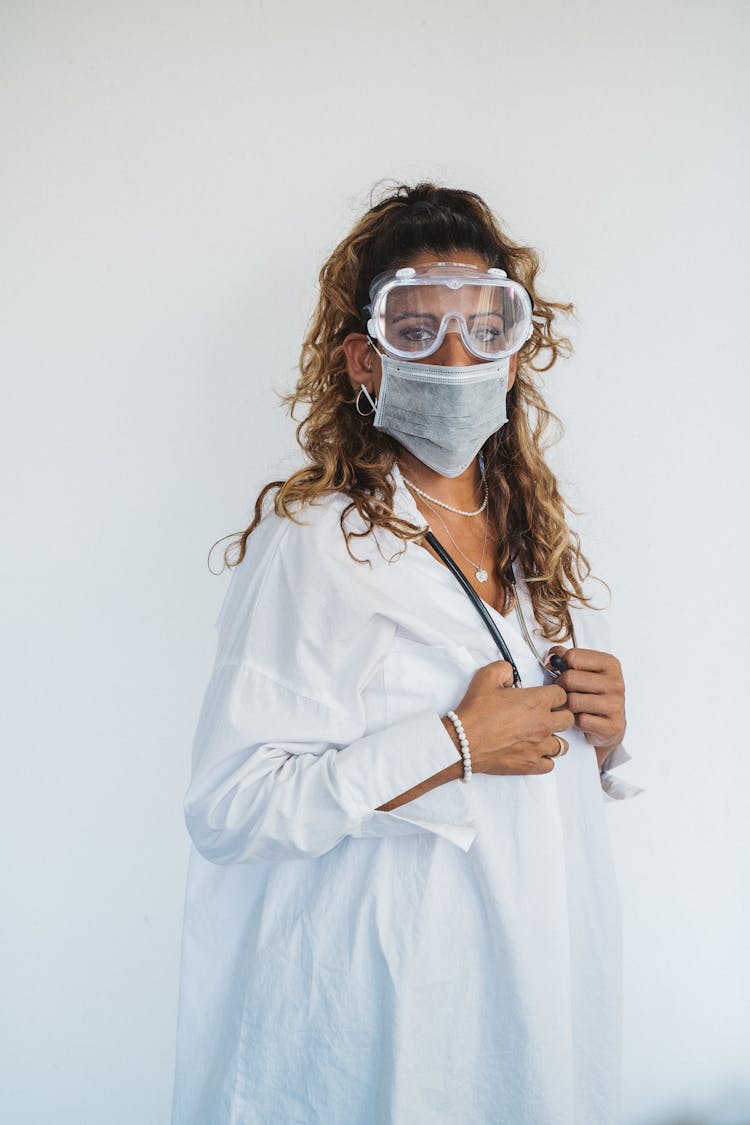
x,y
464,491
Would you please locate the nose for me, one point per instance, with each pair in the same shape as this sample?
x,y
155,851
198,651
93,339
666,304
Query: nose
x,y
453,352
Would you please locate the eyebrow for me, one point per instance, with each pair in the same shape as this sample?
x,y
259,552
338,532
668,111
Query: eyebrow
x,y
412,316
431,316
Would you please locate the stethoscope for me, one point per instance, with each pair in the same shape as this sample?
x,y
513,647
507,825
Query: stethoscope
x,y
557,664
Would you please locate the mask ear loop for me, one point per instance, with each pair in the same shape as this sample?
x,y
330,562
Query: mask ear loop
x,y
364,391
373,402
372,345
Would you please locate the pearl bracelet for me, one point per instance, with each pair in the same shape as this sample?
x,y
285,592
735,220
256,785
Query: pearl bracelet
x,y
463,743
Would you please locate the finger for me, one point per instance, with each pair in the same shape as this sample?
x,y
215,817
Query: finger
x,y
554,695
562,720
544,765
550,695
503,673
552,748
594,724
590,660
583,703
595,683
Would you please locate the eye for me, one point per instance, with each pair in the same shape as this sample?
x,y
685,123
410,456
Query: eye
x,y
418,334
486,334
413,332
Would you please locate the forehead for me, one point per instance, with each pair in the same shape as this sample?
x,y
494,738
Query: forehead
x,y
437,299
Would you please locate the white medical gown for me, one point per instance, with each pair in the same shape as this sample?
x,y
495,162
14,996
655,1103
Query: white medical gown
x,y
454,961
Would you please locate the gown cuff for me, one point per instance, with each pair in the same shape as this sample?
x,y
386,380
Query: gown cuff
x,y
408,752
616,788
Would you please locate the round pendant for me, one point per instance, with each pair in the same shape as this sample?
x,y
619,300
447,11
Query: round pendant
x,y
481,576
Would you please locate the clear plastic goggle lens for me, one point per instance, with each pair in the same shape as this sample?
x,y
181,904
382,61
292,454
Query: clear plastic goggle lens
x,y
411,315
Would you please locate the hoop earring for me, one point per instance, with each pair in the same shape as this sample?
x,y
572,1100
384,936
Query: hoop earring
x,y
373,403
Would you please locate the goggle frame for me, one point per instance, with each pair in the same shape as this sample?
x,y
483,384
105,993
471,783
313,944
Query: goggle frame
x,y
453,275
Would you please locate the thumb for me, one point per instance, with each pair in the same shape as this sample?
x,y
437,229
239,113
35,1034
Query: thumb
x,y
504,672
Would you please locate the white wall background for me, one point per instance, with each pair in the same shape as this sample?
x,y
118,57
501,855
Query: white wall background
x,y
174,175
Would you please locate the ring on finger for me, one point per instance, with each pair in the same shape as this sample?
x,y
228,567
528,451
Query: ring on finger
x,y
563,747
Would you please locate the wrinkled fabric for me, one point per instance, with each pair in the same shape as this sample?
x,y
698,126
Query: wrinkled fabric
x,y
456,960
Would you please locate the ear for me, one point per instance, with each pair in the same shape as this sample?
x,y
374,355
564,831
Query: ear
x,y
512,369
359,359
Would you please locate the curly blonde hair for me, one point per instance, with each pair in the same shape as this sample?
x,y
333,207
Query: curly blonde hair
x,y
346,454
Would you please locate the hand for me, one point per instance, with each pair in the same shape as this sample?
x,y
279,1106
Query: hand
x,y
595,694
529,757
510,730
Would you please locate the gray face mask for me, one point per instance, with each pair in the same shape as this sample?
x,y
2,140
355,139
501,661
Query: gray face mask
x,y
443,415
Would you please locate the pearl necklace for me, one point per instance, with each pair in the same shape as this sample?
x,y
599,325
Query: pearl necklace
x,y
441,504
479,572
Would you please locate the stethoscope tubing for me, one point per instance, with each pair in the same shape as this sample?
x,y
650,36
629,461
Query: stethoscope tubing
x,y
483,612
479,605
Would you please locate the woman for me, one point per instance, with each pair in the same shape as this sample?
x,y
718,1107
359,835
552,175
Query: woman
x,y
370,938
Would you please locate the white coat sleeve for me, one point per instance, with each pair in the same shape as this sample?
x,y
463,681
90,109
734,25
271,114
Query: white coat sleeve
x,y
282,776
285,764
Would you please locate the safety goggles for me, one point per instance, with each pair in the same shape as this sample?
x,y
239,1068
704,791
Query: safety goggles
x,y
412,308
